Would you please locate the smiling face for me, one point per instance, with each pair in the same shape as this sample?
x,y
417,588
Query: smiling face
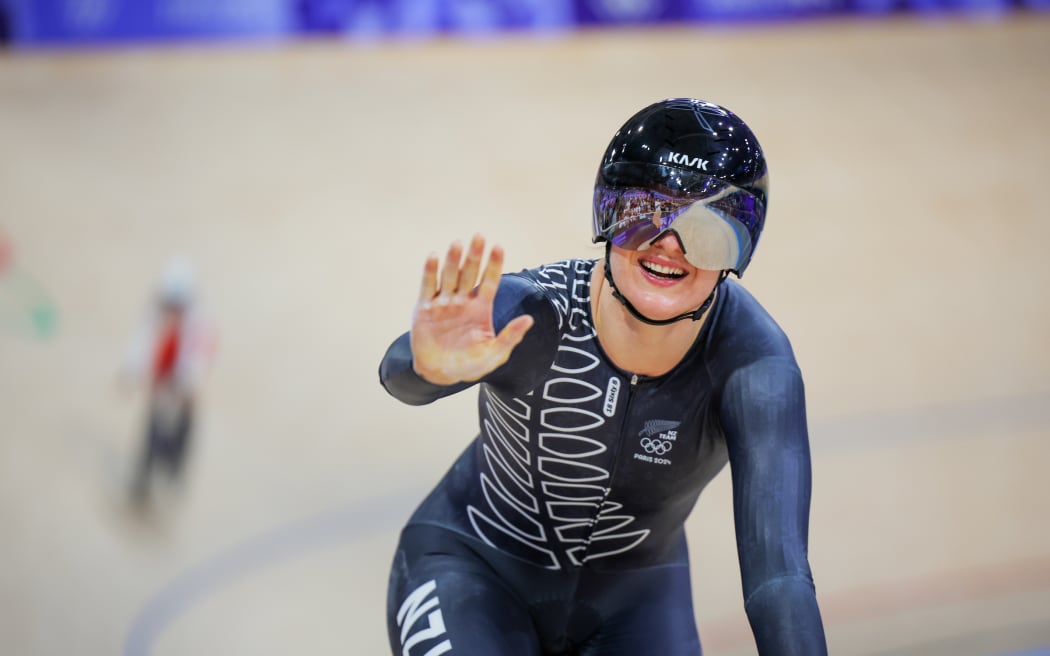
x,y
659,281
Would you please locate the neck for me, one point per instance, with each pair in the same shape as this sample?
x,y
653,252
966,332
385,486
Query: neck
x,y
633,345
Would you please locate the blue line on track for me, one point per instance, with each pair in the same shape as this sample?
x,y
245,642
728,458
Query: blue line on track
x,y
187,589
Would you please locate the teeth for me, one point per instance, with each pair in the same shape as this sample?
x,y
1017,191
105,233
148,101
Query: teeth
x,y
665,270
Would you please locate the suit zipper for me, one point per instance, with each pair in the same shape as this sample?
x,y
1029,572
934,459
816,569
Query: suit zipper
x,y
615,456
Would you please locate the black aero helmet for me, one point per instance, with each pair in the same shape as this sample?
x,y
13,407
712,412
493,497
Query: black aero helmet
x,y
687,166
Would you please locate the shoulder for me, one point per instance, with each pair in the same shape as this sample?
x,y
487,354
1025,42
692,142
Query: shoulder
x,y
747,352
560,284
556,277
547,293
743,330
529,286
761,387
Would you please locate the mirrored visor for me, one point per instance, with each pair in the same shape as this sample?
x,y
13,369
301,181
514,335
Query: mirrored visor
x,y
713,230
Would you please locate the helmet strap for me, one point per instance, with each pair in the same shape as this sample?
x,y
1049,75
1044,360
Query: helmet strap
x,y
695,315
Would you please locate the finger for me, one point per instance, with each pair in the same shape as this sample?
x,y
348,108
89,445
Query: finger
x,y
450,272
490,277
429,287
472,264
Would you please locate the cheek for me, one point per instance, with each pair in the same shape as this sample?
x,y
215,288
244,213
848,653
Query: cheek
x,y
708,278
707,281
620,261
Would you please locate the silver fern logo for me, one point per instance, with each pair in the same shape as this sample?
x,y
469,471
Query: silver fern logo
x,y
657,426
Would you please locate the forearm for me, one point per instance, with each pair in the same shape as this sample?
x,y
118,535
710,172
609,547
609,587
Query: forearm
x,y
400,379
785,617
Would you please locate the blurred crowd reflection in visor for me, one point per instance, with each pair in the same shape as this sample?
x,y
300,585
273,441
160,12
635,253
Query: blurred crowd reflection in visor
x,y
713,229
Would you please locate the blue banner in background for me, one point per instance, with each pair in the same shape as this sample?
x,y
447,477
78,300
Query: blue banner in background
x,y
432,17
44,23
101,21
627,12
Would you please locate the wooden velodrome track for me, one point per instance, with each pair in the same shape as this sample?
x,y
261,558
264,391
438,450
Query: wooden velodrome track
x,y
905,255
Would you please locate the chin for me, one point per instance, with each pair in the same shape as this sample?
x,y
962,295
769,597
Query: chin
x,y
660,309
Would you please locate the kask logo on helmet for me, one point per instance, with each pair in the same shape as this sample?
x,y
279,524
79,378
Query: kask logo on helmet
x,y
685,160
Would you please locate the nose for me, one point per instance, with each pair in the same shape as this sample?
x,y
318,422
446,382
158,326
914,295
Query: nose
x,y
670,242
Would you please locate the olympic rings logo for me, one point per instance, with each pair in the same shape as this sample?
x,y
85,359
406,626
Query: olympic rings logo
x,y
659,447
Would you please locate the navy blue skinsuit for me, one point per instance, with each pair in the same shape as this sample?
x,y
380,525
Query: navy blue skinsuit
x,y
559,530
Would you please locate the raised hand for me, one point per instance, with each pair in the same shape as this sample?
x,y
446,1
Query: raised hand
x,y
453,339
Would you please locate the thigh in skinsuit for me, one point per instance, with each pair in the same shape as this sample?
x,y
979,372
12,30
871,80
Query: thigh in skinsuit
x,y
645,612
445,603
450,595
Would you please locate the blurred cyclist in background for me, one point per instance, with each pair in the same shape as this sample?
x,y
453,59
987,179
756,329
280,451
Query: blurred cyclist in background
x,y
168,354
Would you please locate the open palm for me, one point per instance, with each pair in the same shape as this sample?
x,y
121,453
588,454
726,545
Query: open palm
x,y
453,338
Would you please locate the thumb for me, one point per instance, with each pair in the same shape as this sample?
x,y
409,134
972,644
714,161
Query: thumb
x,y
514,332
